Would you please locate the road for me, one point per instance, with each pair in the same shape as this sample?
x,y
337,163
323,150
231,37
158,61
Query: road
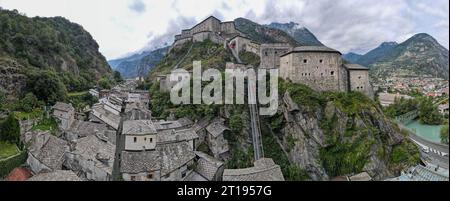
x,y
431,152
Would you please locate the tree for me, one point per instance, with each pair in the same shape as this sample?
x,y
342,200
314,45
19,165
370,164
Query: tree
x,y
117,77
236,123
104,83
2,99
296,173
10,130
444,134
46,86
428,112
29,102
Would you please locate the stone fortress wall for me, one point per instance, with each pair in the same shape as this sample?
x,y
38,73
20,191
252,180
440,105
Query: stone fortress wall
x,y
319,70
210,28
358,79
270,54
319,67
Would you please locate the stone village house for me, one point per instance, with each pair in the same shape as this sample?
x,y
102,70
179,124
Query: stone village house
x,y
92,158
157,151
46,152
65,114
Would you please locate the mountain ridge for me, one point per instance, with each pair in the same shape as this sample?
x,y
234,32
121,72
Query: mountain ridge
x,y
53,44
138,64
299,33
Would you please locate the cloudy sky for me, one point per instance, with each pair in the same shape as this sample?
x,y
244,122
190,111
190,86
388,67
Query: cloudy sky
x,y
122,27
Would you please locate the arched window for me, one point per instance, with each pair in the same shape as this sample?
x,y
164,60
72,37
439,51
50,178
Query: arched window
x,y
332,72
305,61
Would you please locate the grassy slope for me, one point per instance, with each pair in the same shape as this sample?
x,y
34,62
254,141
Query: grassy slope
x,y
7,150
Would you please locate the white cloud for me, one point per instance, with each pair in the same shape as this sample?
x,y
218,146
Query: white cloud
x,y
124,26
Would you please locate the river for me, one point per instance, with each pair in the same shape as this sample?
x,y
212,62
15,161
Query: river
x,y
428,132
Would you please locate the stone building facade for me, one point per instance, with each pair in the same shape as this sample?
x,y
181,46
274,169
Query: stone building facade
x,y
270,54
318,67
358,79
65,114
322,69
139,135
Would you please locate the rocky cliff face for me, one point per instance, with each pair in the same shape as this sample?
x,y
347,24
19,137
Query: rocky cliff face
x,y
12,79
263,34
344,134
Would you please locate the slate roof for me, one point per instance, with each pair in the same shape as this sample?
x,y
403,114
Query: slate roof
x,y
194,176
421,173
200,124
207,166
63,107
105,116
312,49
48,149
216,128
135,113
138,127
185,122
86,128
58,175
95,149
168,136
355,67
167,125
264,170
174,155
137,162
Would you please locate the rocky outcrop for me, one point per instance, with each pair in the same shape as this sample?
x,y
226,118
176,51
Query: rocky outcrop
x,y
304,136
12,80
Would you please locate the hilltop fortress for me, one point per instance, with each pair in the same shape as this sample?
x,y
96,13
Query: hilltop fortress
x,y
318,67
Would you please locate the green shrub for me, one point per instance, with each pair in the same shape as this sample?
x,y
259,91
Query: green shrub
x,y
236,123
345,158
46,124
10,130
6,166
405,154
